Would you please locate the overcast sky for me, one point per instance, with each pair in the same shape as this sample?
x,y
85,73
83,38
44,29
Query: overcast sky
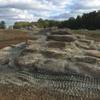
x,y
32,10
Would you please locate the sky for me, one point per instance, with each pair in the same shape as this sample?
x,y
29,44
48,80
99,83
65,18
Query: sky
x,y
31,10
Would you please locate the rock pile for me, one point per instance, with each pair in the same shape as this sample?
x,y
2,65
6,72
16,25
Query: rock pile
x,y
60,51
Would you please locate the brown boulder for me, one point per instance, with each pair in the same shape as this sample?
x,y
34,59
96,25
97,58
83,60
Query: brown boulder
x,y
28,60
61,32
62,38
51,53
57,65
85,45
94,53
56,44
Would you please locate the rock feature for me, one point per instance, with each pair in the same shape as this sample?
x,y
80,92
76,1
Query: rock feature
x,y
56,44
61,32
60,63
86,44
9,54
94,53
54,65
86,59
4,55
28,60
62,38
58,54
60,50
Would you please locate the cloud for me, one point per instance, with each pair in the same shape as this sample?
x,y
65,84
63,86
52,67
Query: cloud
x,y
32,10
62,16
85,5
15,14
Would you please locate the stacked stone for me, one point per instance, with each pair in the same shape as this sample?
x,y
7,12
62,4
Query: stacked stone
x,y
61,50
59,46
47,52
58,41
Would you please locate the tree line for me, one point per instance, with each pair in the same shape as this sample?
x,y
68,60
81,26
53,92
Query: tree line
x,y
2,25
40,23
18,25
86,21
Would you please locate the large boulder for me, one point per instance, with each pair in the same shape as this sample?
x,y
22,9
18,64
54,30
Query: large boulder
x,y
56,44
72,50
28,60
4,61
56,65
85,41
85,44
61,32
80,36
62,38
94,53
5,55
35,45
54,53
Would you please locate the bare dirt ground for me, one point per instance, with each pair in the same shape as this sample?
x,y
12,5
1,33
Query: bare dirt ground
x,y
11,92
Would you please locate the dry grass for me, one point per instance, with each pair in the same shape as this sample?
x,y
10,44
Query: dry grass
x,y
8,37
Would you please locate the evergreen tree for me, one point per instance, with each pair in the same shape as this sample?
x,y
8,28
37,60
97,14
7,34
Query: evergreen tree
x,y
2,25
